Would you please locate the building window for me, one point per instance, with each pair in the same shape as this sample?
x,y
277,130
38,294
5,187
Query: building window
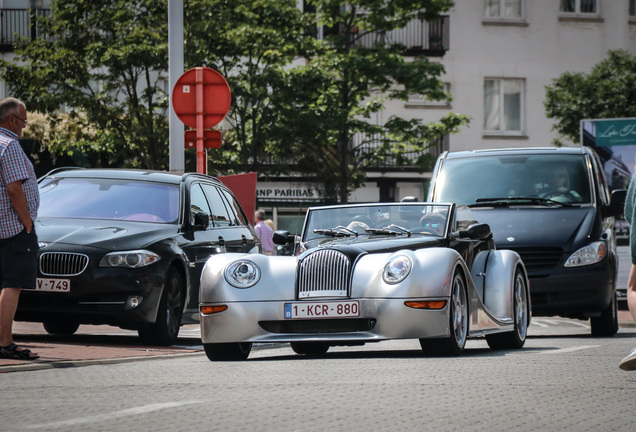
x,y
632,8
418,100
579,6
503,106
503,9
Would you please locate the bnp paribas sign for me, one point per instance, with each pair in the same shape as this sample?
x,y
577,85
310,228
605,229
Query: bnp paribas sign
x,y
615,132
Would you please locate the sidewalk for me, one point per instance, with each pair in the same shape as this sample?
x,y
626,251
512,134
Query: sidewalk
x,y
91,345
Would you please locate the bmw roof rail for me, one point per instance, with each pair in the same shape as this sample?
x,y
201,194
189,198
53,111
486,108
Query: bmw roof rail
x,y
68,168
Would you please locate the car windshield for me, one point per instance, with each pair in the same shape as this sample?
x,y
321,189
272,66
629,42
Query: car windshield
x,y
96,198
515,180
392,219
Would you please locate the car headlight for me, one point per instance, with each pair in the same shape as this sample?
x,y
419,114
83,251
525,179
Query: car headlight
x,y
587,255
397,269
242,274
130,259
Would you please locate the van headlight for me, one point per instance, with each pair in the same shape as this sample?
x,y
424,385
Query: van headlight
x,y
590,254
242,274
397,269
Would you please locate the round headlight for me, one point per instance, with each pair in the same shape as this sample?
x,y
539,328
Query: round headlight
x,y
242,274
397,269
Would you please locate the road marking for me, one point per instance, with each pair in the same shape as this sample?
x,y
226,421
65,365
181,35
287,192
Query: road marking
x,y
571,349
109,416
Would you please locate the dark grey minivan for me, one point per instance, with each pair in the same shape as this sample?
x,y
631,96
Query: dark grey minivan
x,y
552,206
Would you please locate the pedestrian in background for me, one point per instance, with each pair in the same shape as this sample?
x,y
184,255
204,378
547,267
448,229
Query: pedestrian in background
x,y
629,362
264,232
19,202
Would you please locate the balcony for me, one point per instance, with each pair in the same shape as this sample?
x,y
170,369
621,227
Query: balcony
x,y
420,37
19,23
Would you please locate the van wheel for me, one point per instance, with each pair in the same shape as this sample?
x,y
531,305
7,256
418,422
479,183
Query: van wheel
x,y
606,325
60,328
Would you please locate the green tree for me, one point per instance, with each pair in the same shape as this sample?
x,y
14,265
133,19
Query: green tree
x,y
608,91
252,43
347,81
101,66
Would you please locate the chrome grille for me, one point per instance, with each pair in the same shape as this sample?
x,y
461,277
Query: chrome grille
x,y
62,263
324,273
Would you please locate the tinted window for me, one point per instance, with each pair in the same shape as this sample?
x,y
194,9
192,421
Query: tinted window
x,y
234,207
91,198
465,180
198,202
219,212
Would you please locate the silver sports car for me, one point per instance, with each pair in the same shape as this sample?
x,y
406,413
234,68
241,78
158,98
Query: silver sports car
x,y
367,273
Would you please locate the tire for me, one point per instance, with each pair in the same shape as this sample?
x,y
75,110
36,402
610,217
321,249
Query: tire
x,y
227,351
165,330
515,339
606,325
310,348
458,322
60,328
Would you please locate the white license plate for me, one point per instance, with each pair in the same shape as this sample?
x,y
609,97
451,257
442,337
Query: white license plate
x,y
53,285
329,309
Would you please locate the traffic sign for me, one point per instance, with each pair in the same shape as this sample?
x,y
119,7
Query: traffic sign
x,y
211,139
213,90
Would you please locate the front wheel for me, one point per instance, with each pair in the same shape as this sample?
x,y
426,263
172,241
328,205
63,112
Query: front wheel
x,y
606,325
458,321
310,348
227,351
517,338
165,330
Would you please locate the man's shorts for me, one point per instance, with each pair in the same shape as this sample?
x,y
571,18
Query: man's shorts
x,y
19,261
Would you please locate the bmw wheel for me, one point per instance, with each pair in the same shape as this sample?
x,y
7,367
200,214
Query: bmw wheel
x,y
310,348
458,321
166,328
65,328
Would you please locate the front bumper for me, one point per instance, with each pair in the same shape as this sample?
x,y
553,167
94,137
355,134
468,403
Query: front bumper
x,y
379,319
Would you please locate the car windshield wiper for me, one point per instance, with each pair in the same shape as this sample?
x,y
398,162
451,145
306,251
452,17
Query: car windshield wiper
x,y
339,231
390,230
506,201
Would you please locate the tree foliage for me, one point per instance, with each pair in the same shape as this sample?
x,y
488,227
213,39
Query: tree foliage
x,y
608,91
101,65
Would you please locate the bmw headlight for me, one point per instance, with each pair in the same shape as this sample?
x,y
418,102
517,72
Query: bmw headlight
x,y
242,274
587,255
130,259
397,269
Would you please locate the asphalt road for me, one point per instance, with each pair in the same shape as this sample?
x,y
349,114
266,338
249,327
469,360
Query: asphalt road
x,y
563,379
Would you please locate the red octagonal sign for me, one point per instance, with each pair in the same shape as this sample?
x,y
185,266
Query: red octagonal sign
x,y
201,91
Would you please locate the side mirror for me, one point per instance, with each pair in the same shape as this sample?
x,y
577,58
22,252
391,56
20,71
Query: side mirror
x,y
476,231
283,237
201,221
617,203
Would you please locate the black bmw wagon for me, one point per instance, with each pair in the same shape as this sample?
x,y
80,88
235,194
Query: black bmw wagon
x,y
126,248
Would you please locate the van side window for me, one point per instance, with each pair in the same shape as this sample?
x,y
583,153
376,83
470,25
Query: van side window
x,y
219,212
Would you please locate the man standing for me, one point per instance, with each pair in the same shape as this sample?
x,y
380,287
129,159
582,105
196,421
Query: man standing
x,y
19,201
264,232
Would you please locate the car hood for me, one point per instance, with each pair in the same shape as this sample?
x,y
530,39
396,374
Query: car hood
x,y
565,227
101,234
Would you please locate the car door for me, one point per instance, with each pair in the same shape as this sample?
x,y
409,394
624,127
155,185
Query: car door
x,y
234,231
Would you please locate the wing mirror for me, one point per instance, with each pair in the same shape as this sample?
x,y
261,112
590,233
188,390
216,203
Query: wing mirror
x,y
201,221
617,203
283,237
476,231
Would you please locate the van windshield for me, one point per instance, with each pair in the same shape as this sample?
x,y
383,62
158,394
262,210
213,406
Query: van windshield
x,y
552,178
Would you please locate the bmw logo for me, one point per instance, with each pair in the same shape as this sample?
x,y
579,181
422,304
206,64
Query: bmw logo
x,y
42,245
510,239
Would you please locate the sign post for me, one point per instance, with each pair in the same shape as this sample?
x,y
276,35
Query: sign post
x,y
201,99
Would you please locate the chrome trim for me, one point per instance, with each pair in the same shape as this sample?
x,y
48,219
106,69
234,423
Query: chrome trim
x,y
324,273
62,263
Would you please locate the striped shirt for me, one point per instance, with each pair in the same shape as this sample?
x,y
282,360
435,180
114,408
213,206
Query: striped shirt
x,y
15,166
